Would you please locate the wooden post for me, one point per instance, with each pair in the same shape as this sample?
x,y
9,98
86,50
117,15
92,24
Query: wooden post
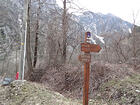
x,y
86,83
86,58
86,78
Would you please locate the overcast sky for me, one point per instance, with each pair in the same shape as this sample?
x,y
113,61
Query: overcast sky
x,y
121,8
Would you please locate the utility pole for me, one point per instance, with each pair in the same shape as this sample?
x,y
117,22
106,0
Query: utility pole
x,y
23,42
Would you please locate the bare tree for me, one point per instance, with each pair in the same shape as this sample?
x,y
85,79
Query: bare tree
x,y
10,31
135,40
36,35
27,31
64,29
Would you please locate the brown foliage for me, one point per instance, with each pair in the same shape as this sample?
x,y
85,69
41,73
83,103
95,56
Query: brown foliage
x,y
68,79
63,78
35,75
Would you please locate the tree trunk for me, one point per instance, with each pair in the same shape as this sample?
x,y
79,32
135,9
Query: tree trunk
x,y
36,36
28,46
64,29
72,53
134,45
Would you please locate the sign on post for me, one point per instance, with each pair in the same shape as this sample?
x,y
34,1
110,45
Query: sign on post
x,y
86,59
87,47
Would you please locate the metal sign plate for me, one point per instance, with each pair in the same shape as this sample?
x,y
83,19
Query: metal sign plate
x,y
86,47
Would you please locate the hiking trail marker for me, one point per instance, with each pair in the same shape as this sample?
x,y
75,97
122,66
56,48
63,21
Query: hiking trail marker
x,y
86,59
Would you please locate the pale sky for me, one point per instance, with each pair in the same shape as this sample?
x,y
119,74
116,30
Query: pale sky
x,y
121,8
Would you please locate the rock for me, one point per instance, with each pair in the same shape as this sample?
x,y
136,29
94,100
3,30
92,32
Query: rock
x,y
6,81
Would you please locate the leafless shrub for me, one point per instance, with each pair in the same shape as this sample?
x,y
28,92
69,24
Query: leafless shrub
x,y
68,79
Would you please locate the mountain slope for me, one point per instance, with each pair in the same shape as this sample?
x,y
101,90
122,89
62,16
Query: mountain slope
x,y
99,23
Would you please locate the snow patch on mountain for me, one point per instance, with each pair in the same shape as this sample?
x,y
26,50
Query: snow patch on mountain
x,y
130,31
100,38
100,23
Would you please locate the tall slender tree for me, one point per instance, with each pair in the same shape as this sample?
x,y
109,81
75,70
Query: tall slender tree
x,y
28,46
36,35
64,30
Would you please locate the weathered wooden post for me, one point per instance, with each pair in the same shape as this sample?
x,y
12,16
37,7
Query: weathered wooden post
x,y
86,59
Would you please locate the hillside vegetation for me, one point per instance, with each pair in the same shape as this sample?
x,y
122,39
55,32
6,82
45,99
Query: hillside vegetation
x,y
28,93
113,92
